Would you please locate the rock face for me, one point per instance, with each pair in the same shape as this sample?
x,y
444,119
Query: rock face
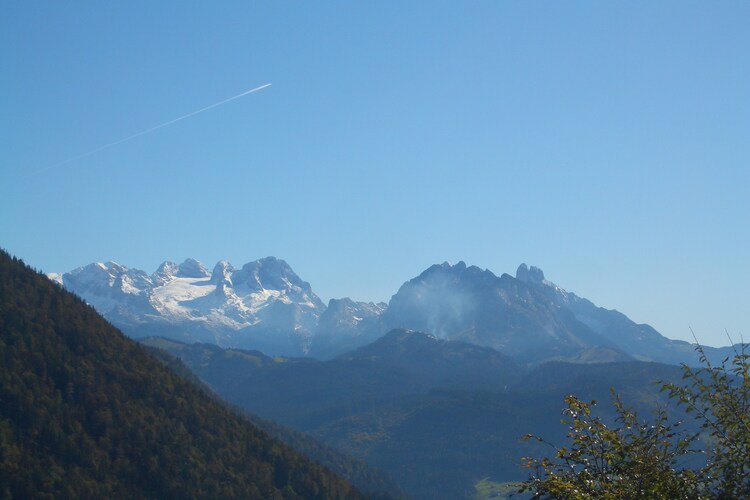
x,y
526,317
532,275
457,302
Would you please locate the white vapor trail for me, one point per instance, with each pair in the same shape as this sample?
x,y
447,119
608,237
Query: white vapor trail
x,y
152,129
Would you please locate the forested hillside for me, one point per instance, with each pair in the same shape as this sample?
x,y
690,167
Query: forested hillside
x,y
436,415
87,413
374,483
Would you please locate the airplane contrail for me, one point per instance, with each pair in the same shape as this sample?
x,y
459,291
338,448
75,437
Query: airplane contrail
x,y
149,130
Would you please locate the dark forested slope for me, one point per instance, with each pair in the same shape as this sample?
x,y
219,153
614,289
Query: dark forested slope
x,y
374,483
85,412
436,415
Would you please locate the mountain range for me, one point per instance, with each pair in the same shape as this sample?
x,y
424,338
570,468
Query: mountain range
x,y
265,306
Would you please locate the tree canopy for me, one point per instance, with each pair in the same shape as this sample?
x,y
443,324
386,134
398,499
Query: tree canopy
x,y
650,458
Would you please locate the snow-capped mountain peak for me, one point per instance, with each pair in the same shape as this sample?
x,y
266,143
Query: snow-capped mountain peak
x,y
222,272
165,272
255,306
192,268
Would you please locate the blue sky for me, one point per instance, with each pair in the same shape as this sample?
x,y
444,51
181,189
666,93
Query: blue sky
x,y
605,142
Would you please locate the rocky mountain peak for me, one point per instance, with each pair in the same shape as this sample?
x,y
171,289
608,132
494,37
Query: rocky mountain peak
x,y
532,274
270,273
95,275
165,272
191,268
222,273
168,268
458,271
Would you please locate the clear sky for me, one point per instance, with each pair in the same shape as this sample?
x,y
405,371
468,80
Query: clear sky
x,y
607,143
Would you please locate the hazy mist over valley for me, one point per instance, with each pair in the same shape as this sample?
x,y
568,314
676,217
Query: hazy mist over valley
x,y
341,251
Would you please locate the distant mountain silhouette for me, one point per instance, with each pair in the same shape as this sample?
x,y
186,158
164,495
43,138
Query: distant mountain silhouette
x,y
527,318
